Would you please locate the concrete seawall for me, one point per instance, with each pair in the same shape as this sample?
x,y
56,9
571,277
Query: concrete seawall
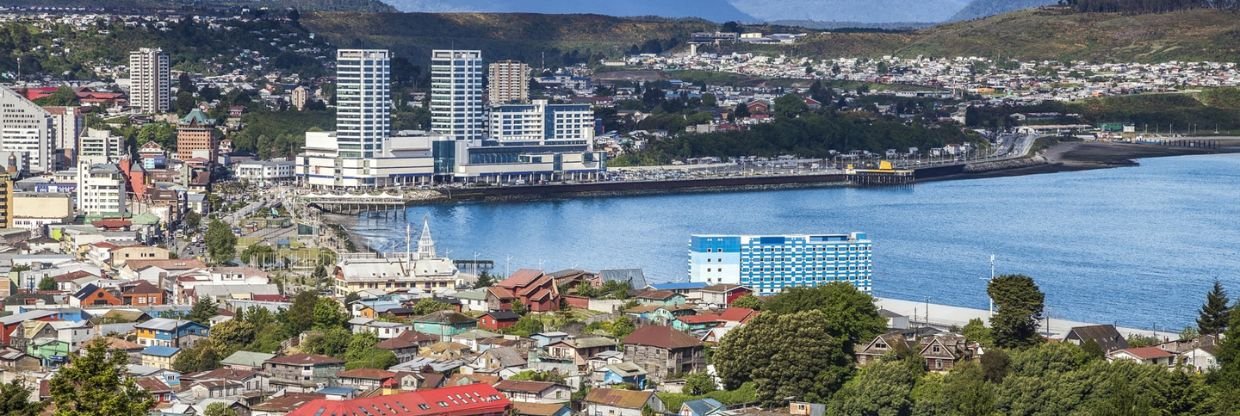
x,y
947,316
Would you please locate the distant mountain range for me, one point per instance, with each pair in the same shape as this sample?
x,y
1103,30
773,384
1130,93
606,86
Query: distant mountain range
x,y
853,11
984,8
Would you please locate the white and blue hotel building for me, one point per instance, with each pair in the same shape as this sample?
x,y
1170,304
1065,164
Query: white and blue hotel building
x,y
769,263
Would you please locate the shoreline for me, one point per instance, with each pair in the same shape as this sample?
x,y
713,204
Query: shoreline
x,y
958,316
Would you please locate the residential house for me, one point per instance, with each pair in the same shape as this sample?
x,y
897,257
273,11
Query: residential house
x,y
92,295
660,298
246,360
542,339
282,405
11,322
579,351
541,409
615,402
721,295
535,290
880,346
503,361
445,351
943,352
702,407
158,390
443,323
469,400
365,379
663,351
624,373
13,360
1105,336
141,293
302,373
170,332
1145,355
473,300
159,356
498,320
1199,354
635,278
123,254
215,389
406,345
382,329
534,391
251,380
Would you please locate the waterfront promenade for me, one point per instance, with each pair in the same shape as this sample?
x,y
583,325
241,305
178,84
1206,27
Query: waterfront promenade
x,y
946,316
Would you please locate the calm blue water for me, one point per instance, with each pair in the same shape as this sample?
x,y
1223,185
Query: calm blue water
x,y
1137,246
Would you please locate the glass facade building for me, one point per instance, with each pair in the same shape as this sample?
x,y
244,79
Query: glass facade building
x,y
769,263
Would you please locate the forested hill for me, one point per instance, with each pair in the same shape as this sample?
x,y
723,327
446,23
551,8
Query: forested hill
x,y
1150,6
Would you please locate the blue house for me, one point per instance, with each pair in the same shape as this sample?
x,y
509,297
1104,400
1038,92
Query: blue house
x,y
625,373
543,339
168,332
444,323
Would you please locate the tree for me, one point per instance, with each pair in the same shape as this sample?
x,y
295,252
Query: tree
x,y
1018,304
201,357
229,336
484,280
96,383
329,314
709,100
699,383
14,400
790,106
427,306
202,311
851,315
332,341
748,301
623,326
995,363
519,308
299,317
967,392
361,353
192,220
63,96
976,331
526,326
1212,320
221,242
792,354
1227,376
881,388
219,409
47,283
741,111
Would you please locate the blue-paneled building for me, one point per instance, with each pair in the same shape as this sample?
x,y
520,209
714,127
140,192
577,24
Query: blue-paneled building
x,y
769,263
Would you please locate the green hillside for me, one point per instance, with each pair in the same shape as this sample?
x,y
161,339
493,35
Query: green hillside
x,y
531,37
1054,34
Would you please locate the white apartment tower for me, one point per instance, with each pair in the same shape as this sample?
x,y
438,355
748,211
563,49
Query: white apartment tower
x,y
150,82
456,94
100,146
508,82
363,102
27,129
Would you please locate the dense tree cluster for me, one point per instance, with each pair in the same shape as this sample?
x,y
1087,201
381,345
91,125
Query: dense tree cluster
x,y
796,349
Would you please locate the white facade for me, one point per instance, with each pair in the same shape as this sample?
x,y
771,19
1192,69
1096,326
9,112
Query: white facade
x,y
68,124
101,189
363,102
508,82
150,81
542,123
405,160
27,129
100,146
456,94
262,171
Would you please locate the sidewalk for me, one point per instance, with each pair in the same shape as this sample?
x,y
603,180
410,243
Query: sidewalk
x,y
944,315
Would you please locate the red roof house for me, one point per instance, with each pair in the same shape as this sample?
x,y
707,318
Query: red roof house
x,y
469,400
535,290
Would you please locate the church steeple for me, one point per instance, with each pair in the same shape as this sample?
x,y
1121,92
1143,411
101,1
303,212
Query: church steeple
x,y
426,245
